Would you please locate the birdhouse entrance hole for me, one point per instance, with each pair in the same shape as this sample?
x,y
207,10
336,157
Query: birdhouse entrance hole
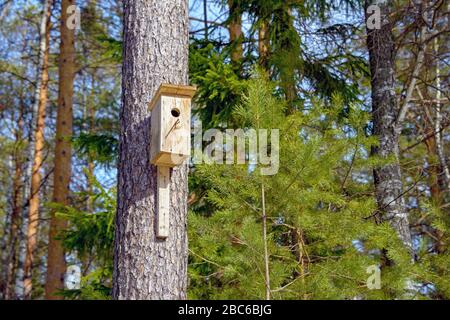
x,y
175,112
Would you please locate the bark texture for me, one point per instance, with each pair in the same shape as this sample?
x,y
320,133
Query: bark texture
x,y
387,178
11,263
263,44
438,122
42,95
235,31
155,52
56,263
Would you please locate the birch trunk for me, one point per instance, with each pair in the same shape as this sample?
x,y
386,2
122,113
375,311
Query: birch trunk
x,y
438,122
155,51
56,263
387,178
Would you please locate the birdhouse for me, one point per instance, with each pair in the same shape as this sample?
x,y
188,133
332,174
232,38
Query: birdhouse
x,y
171,125
170,143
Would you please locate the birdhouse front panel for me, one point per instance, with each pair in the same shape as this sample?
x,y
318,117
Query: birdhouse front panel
x,y
171,125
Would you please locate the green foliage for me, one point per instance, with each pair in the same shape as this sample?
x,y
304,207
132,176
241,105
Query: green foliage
x,y
112,48
321,234
319,239
219,88
100,147
90,236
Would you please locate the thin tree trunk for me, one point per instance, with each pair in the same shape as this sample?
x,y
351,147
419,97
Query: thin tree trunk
x,y
266,251
56,263
205,18
42,92
155,51
286,48
443,173
5,9
433,168
90,121
438,122
235,31
11,264
86,258
387,178
263,44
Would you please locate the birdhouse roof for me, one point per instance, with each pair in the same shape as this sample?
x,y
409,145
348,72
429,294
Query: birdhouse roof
x,y
174,91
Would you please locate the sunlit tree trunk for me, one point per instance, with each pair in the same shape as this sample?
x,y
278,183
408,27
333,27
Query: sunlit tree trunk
x,y
56,263
263,44
155,51
42,94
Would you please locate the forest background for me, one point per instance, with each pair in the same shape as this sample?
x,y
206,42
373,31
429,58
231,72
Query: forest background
x,y
359,208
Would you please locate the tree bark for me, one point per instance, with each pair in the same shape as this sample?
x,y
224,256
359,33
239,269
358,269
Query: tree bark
x,y
442,172
445,172
56,263
155,52
387,178
11,264
42,94
235,31
263,44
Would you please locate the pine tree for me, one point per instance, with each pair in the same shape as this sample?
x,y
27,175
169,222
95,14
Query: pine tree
x,y
36,178
319,237
155,51
56,263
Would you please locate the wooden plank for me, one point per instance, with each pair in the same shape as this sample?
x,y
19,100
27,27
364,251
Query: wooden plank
x,y
163,202
174,91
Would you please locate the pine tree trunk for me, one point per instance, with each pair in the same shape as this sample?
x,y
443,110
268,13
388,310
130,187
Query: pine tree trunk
x,y
263,44
387,178
155,51
56,264
235,31
42,93
287,47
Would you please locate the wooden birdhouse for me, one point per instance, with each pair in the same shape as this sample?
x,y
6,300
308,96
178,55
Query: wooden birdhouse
x,y
171,125
170,143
